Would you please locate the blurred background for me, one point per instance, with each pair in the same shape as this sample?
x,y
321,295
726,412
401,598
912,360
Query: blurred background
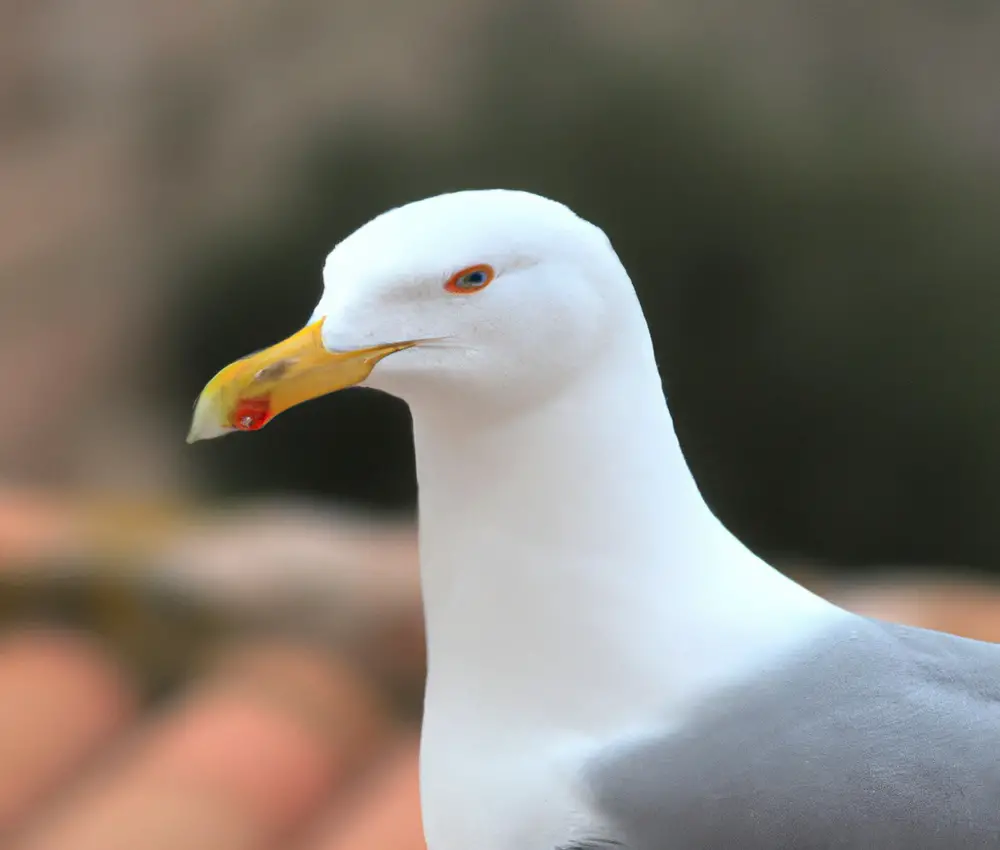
x,y
806,196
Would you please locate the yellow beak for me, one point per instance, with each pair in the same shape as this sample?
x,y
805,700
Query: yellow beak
x,y
249,393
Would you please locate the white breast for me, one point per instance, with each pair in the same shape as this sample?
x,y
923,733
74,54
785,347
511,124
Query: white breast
x,y
484,787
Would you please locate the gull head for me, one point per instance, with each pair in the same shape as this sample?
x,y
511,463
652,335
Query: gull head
x,y
495,298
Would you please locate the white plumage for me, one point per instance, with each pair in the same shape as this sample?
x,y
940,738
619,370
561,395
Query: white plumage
x,y
582,601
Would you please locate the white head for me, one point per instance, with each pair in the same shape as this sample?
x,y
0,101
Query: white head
x,y
500,296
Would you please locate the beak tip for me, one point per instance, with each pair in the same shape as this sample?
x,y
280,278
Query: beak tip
x,y
205,422
198,433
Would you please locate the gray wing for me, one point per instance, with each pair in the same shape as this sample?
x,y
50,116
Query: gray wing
x,y
878,737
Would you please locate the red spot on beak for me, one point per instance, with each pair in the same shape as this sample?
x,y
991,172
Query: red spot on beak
x,y
251,414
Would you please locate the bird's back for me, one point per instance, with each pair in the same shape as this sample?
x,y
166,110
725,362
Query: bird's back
x,y
877,736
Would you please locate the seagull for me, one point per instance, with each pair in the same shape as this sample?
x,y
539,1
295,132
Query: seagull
x,y
608,666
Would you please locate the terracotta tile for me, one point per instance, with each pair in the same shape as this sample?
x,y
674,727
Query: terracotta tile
x,y
127,816
384,812
241,762
60,701
962,607
321,690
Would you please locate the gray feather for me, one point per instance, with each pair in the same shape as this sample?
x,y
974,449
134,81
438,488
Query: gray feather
x,y
877,737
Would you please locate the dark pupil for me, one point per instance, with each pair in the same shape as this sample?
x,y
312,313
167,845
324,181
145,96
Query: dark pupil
x,y
473,279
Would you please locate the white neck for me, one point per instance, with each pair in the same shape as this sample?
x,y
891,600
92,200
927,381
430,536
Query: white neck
x,y
572,573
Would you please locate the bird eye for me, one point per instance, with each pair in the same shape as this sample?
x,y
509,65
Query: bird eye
x,y
470,280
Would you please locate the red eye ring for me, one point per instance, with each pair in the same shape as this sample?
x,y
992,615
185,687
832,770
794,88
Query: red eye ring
x,y
471,279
